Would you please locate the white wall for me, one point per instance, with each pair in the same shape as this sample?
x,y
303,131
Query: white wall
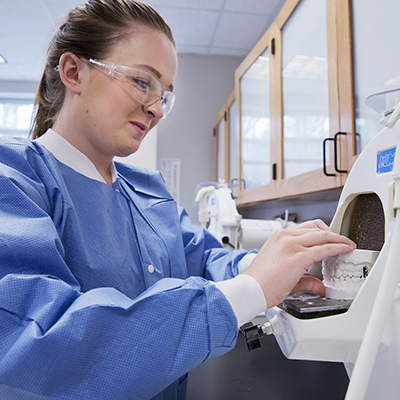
x,y
202,86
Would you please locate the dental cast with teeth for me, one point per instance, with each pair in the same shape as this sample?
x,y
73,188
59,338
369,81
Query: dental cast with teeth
x,y
343,275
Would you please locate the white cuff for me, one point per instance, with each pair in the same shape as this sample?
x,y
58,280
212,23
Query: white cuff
x,y
245,262
245,297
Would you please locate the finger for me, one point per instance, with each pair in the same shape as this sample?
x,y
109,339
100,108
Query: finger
x,y
309,283
314,224
313,237
331,249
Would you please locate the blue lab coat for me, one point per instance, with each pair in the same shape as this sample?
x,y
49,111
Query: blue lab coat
x,y
102,289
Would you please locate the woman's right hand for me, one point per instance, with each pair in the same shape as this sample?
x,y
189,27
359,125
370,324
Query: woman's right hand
x,y
280,265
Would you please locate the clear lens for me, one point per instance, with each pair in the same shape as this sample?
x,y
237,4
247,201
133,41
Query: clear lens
x,y
142,86
167,101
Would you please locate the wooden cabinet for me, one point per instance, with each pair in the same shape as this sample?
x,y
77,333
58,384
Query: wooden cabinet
x,y
295,105
226,138
301,118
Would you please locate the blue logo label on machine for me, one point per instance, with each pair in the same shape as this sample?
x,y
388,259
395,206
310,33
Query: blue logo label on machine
x,y
385,160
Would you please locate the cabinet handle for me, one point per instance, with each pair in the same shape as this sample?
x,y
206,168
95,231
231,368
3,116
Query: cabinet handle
x,y
324,155
274,173
335,154
243,186
340,171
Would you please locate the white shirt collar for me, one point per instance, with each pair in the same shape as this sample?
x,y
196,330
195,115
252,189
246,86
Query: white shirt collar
x,y
71,156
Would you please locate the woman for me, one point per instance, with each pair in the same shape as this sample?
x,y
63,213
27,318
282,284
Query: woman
x,y
107,290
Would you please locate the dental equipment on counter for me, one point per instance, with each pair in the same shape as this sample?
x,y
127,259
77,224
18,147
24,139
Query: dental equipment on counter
x,y
358,322
218,213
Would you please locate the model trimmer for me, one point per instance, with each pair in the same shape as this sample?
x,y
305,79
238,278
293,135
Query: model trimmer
x,y
358,322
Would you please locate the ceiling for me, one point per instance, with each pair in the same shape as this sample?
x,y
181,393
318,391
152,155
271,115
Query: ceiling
x,y
214,27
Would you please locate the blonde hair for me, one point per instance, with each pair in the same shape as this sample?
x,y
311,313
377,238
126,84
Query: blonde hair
x,y
90,30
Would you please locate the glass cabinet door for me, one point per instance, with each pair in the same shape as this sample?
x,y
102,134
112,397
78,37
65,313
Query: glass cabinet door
x,y
255,123
220,150
376,61
225,141
233,173
305,88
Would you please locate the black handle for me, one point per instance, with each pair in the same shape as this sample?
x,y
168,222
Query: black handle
x,y
324,156
335,157
243,187
340,171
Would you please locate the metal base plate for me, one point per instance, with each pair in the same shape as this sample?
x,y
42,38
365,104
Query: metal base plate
x,y
309,305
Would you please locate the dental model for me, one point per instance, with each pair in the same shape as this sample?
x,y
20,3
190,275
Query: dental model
x,y
343,275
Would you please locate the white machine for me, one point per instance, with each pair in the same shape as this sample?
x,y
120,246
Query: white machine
x,y
359,324
218,213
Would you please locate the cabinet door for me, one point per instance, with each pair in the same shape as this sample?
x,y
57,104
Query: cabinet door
x,y
255,123
220,149
225,141
305,88
376,61
233,138
254,86
312,150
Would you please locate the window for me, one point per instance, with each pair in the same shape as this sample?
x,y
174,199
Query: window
x,y
15,117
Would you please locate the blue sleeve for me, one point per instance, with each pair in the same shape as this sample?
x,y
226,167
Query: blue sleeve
x,y
103,345
205,255
61,343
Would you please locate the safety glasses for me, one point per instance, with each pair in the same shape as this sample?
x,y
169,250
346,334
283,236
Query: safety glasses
x,y
142,86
